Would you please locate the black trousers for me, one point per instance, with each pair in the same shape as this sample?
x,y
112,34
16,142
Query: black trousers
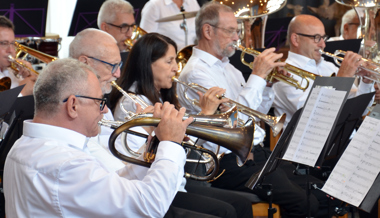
x,y
212,201
286,192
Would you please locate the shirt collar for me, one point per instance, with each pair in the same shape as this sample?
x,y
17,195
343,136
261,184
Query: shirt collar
x,y
39,130
301,60
210,59
168,2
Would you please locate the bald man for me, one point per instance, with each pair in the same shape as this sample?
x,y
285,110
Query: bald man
x,y
306,35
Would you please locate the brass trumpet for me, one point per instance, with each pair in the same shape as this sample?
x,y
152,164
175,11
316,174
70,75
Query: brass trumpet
x,y
238,140
370,66
305,75
276,123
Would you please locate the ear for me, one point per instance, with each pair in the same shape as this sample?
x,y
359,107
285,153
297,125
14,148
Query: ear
x,y
103,26
294,39
207,31
83,59
72,106
345,28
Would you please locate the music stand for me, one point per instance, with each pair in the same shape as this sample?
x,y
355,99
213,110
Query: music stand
x,y
85,15
29,17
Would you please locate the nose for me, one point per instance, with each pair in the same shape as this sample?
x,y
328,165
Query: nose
x,y
235,37
117,73
322,44
175,67
105,110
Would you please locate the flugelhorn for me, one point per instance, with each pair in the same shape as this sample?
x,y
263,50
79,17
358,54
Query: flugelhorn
x,y
372,67
136,34
238,140
305,75
276,123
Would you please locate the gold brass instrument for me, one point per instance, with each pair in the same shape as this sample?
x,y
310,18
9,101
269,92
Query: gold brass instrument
x,y
372,67
46,58
183,57
21,52
305,75
238,140
136,34
5,83
276,123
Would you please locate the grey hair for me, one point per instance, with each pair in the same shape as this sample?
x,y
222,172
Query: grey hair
x,y
209,13
84,41
59,80
109,9
347,18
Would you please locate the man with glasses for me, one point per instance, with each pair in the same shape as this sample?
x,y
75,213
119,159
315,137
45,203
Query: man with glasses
x,y
217,32
7,47
99,50
50,173
306,35
349,26
116,18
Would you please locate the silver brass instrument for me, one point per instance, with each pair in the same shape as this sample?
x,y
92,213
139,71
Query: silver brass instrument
x,y
276,123
372,67
238,140
305,75
252,16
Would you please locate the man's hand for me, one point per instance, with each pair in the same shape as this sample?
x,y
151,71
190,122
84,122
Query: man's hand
x,y
350,64
29,84
210,101
24,72
265,62
171,127
377,94
280,71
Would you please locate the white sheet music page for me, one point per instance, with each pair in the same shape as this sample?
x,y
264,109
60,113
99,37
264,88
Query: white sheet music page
x,y
359,165
314,125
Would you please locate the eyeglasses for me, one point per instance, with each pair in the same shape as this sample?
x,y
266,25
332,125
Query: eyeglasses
x,y
7,44
102,103
114,66
317,37
230,33
124,27
354,24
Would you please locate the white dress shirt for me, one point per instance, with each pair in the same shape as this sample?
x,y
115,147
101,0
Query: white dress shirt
x,y
289,99
49,173
157,9
335,38
208,71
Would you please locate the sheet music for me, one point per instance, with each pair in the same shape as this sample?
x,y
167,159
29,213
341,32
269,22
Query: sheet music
x,y
359,165
314,126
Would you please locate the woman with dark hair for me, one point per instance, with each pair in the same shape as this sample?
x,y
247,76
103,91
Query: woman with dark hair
x,y
149,70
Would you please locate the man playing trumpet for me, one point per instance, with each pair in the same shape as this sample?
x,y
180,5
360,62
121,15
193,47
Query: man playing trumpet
x,y
217,32
306,35
7,47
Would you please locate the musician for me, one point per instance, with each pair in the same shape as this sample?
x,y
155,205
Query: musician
x,y
7,47
116,18
99,50
157,9
217,31
349,26
306,35
49,173
150,66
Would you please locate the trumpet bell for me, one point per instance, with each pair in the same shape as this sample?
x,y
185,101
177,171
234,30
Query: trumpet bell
x,y
5,83
136,34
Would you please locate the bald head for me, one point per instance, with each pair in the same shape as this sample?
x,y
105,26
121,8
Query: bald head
x,y
306,36
90,42
95,47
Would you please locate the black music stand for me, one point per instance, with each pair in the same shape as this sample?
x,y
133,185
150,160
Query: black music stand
x,y
85,15
29,17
